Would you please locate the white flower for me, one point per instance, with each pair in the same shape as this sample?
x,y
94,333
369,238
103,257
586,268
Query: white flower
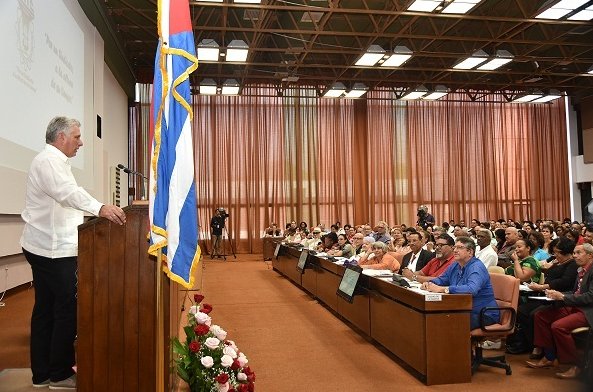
x,y
194,309
207,361
241,376
218,332
232,344
242,359
212,343
203,318
226,361
230,352
223,387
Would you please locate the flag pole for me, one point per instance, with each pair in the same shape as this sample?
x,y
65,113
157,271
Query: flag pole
x,y
159,327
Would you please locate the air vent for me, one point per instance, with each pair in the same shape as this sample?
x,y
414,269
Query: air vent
x,y
309,17
251,14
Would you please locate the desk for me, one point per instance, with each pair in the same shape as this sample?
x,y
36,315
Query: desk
x,y
269,246
433,338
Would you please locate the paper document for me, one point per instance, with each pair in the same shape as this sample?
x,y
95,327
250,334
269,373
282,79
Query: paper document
x,y
541,298
377,273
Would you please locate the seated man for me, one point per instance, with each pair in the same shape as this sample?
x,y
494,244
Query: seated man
x,y
418,257
435,267
467,275
486,253
553,325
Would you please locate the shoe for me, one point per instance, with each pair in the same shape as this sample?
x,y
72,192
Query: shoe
x,y
41,384
535,355
490,345
572,372
543,363
68,384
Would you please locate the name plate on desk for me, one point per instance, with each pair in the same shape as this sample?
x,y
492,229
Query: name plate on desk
x,y
433,297
277,250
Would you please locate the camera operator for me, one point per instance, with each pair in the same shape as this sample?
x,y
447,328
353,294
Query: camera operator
x,y
424,218
216,225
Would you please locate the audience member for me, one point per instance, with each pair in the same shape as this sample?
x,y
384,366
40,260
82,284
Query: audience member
x,y
486,254
378,258
467,275
418,257
553,325
524,266
436,266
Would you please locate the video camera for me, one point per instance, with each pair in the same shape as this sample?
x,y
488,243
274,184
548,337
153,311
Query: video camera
x,y
421,213
223,212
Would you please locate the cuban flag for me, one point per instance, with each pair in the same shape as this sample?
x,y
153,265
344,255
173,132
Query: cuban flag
x,y
172,201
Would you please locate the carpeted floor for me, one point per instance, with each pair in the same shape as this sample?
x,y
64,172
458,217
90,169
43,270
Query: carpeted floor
x,y
292,342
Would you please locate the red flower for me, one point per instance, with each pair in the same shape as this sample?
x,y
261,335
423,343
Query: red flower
x,y
250,387
198,298
206,308
251,377
247,370
236,365
222,378
231,389
201,329
194,347
243,388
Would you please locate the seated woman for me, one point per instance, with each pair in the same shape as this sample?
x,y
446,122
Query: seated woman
x,y
398,246
291,235
524,266
538,239
378,258
554,324
561,277
328,242
344,248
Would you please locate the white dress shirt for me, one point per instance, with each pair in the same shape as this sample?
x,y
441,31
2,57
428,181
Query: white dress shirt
x,y
487,256
414,261
54,206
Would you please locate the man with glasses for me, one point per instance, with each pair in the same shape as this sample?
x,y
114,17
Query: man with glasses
x,y
438,265
467,275
315,240
380,233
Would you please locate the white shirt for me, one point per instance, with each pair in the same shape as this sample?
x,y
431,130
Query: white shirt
x,y
487,256
54,206
414,261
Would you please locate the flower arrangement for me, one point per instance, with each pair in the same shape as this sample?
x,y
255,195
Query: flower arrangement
x,y
206,360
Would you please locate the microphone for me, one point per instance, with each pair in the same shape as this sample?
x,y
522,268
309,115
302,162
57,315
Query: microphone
x,y
144,178
130,171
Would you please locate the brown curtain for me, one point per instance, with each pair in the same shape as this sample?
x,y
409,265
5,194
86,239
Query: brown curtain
x,y
270,158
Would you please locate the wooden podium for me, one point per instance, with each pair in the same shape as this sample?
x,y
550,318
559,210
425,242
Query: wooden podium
x,y
116,347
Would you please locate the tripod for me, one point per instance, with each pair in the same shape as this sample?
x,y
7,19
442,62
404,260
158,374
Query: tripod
x,y
219,243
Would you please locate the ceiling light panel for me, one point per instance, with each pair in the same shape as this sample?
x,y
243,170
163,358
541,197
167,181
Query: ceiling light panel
x,y
546,98
527,98
395,60
586,14
460,6
424,5
560,9
373,54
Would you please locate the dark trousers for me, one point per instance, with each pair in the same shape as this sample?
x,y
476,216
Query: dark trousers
x,y
53,323
553,328
525,317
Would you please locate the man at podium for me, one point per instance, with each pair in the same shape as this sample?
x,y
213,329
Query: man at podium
x,y
54,207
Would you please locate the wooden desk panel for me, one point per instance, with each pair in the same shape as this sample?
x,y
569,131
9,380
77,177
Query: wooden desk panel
x,y
401,330
327,284
309,280
357,312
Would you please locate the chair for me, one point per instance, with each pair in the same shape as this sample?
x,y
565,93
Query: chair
x,y
506,292
494,269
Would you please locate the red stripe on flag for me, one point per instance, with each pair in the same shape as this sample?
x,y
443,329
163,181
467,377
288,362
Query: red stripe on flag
x,y
179,20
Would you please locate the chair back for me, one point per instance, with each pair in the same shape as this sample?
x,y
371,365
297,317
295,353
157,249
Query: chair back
x,y
495,269
506,293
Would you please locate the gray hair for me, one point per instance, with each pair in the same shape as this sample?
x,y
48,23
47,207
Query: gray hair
x,y
485,231
468,243
368,240
57,125
379,245
588,248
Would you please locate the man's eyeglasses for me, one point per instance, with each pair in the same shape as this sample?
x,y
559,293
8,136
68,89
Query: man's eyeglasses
x,y
437,245
459,247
